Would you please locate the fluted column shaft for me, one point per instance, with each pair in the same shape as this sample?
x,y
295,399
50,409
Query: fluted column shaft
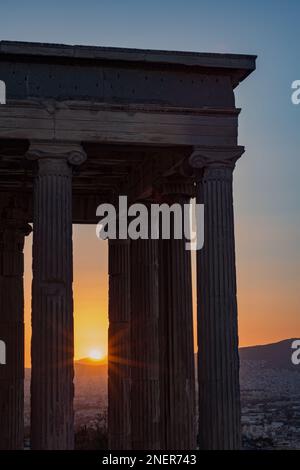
x,y
145,410
218,360
177,369
12,232
119,426
52,308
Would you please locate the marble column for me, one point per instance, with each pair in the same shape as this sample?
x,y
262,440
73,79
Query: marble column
x,y
13,228
52,347
145,412
177,366
218,359
119,426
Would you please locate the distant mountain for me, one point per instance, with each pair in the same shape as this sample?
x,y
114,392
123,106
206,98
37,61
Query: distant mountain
x,y
87,361
274,355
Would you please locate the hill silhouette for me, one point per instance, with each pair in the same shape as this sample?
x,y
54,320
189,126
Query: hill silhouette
x,y
91,362
275,355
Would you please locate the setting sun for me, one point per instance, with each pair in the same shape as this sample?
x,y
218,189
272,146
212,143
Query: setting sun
x,y
96,354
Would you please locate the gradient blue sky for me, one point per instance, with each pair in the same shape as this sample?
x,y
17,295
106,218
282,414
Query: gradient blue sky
x,y
266,179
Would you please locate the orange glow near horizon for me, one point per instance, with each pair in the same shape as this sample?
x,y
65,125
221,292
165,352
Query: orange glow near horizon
x,y
268,305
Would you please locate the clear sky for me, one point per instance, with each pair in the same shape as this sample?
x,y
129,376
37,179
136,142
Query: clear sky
x,y
266,188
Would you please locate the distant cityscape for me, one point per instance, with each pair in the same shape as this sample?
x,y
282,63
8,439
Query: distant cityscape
x,y
270,396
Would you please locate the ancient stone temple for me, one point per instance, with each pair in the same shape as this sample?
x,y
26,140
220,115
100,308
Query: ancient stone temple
x,y
81,126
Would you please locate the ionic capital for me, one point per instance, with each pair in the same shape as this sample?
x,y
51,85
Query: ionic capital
x,y
54,157
14,228
215,157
